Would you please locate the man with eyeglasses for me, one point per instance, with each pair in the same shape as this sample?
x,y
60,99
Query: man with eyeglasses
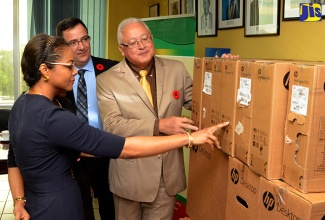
x,y
145,188
90,172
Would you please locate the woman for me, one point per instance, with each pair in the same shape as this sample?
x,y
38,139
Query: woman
x,y
46,139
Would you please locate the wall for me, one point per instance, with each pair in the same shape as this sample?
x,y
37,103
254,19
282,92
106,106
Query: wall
x,y
297,40
163,6
119,10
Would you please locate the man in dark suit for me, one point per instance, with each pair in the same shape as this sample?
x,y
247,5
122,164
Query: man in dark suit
x,y
90,172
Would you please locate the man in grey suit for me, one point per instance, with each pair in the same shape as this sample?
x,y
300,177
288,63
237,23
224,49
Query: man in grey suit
x,y
145,188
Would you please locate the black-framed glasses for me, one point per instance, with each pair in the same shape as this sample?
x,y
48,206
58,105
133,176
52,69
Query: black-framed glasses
x,y
69,65
144,40
75,43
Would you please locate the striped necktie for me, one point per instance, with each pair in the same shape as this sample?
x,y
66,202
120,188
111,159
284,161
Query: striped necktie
x,y
82,105
145,84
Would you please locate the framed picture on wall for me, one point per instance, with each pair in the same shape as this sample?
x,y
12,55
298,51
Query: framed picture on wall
x,y
154,10
231,13
174,7
188,6
206,18
291,8
262,17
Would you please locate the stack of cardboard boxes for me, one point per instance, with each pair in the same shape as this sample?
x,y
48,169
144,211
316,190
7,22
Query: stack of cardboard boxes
x,y
272,161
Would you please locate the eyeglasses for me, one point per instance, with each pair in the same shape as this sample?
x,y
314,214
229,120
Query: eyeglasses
x,y
75,43
144,40
69,65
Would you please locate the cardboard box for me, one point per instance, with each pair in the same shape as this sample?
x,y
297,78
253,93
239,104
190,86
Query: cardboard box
x,y
207,183
304,147
242,191
198,71
244,105
228,103
277,200
270,95
216,93
209,72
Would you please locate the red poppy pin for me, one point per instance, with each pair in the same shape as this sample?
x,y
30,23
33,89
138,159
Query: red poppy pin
x,y
100,66
176,94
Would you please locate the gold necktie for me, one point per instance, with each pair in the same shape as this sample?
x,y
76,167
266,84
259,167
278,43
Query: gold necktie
x,y
145,84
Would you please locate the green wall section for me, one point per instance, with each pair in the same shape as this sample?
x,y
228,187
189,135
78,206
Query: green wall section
x,y
174,36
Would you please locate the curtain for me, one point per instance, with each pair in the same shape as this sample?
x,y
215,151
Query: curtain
x,y
93,14
45,14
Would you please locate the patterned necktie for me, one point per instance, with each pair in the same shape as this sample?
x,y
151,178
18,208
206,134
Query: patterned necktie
x,y
145,84
82,105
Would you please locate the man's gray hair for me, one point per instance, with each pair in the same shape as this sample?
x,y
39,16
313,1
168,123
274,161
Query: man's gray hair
x,y
125,22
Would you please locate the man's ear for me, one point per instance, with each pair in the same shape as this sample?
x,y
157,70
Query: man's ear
x,y
120,47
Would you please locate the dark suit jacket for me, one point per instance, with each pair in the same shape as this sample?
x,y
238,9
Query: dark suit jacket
x,y
100,65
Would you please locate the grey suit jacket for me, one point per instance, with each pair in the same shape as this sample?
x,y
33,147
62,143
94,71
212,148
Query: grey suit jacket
x,y
125,110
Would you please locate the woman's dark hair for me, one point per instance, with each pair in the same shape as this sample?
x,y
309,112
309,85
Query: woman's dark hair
x,y
68,23
42,48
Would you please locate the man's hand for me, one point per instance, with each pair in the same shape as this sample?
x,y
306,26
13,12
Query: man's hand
x,y
229,55
176,125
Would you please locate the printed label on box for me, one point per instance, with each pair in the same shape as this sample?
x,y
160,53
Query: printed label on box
x,y
244,92
299,100
207,89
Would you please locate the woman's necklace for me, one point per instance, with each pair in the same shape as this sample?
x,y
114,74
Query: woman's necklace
x,y
58,103
38,93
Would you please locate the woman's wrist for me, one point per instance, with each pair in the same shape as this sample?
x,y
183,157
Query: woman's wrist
x,y
190,140
20,200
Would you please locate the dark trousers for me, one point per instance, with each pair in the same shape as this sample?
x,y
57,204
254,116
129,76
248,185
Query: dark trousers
x,y
93,173
100,185
81,173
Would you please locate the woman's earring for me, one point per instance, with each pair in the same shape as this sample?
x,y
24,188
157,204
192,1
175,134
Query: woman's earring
x,y
46,78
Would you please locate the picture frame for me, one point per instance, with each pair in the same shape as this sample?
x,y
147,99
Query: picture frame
x,y
206,18
174,7
230,13
188,6
154,10
291,9
262,17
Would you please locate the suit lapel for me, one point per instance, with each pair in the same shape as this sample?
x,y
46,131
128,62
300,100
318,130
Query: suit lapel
x,y
160,79
134,83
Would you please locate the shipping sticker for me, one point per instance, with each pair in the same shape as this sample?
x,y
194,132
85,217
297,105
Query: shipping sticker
x,y
207,89
239,128
299,100
244,92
